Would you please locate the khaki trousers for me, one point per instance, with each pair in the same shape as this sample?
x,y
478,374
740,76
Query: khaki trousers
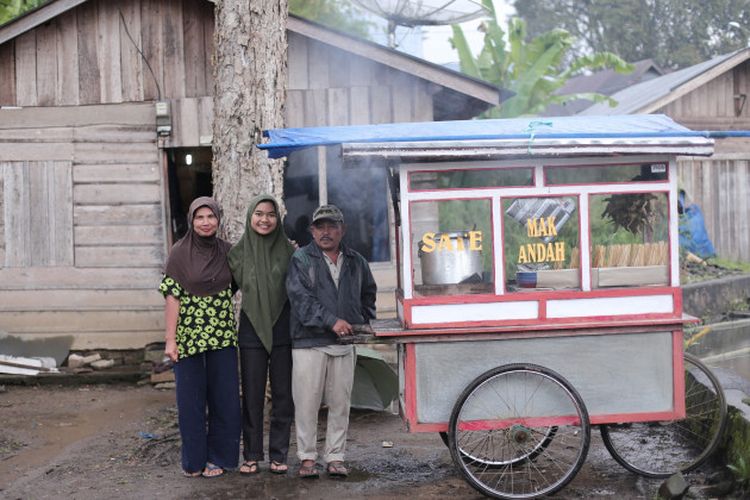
x,y
318,377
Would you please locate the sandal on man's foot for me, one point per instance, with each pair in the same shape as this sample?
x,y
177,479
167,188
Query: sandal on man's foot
x,y
337,469
192,474
278,467
249,467
308,470
212,470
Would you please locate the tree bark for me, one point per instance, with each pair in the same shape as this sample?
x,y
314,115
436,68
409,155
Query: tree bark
x,y
250,74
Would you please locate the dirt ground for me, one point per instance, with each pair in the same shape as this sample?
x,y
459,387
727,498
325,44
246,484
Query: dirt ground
x,y
121,441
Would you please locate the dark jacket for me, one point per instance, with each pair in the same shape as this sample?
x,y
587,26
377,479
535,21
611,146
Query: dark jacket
x,y
317,304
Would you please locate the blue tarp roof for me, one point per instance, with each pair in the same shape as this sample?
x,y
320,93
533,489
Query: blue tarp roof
x,y
284,141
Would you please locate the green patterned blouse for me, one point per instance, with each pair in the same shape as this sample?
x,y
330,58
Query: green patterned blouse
x,y
205,323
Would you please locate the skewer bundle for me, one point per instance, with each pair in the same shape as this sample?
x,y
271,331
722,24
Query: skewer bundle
x,y
631,255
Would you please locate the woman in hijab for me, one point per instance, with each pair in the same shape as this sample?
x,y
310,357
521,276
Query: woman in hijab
x,y
259,262
201,340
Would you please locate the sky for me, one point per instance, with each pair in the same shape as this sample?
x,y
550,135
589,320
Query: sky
x,y
436,47
431,42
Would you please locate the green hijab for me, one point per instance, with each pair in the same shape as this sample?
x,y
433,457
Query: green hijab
x,y
259,264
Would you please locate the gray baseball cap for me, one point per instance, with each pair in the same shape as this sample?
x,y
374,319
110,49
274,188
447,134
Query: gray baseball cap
x,y
328,212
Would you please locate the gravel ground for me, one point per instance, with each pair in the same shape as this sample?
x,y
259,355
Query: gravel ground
x,y
120,441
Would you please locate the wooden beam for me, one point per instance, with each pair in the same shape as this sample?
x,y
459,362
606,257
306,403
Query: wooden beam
x,y
33,19
90,299
70,278
67,116
102,339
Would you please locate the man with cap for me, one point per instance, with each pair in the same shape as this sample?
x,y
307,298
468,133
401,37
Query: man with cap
x,y
330,289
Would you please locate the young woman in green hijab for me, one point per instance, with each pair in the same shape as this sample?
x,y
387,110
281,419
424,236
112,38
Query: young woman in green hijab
x,y
259,262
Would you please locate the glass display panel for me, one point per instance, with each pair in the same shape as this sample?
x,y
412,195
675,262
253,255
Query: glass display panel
x,y
464,179
541,243
603,174
451,245
629,239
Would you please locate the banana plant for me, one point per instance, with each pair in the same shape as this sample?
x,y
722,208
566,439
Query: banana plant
x,y
532,69
10,9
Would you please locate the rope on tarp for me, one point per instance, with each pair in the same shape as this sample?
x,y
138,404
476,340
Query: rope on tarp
x,y
532,128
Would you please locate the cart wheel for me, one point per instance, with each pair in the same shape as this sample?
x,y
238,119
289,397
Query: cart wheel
x,y
519,431
660,449
533,450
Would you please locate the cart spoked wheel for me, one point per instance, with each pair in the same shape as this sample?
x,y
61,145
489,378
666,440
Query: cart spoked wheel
x,y
519,431
660,449
542,443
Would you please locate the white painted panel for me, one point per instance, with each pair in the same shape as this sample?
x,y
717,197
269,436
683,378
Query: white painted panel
x,y
610,306
495,311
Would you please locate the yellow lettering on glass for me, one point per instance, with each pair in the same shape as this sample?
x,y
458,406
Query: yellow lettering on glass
x,y
537,228
475,240
445,242
428,242
539,252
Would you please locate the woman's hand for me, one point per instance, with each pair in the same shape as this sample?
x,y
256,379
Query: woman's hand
x,y
170,350
171,316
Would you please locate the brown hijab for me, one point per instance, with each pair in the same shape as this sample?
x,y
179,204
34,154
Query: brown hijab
x,y
199,263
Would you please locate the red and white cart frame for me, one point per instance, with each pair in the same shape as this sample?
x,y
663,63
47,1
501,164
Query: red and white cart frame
x,y
523,316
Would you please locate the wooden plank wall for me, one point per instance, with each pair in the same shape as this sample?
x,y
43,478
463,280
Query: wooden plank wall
x,y
328,86
39,215
719,185
86,56
89,178
713,106
2,219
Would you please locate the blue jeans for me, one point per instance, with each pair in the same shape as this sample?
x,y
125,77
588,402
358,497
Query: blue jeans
x,y
209,379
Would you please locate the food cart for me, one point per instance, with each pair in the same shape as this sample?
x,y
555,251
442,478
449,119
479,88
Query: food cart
x,y
538,290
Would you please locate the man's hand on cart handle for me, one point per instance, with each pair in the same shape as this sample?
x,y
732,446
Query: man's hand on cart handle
x,y
341,328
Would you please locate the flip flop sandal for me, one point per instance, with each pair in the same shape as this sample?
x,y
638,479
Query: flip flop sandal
x,y
249,467
278,467
192,474
337,469
308,472
212,471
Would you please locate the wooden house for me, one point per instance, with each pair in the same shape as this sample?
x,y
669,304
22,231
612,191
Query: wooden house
x,y
712,95
91,195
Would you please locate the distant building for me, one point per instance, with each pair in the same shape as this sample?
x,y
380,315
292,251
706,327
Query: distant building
x,y
606,82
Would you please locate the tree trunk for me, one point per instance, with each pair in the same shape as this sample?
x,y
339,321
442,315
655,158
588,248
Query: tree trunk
x,y
250,74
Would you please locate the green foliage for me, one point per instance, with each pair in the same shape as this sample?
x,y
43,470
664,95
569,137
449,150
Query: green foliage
x,y
10,9
533,69
731,265
337,14
674,33
741,470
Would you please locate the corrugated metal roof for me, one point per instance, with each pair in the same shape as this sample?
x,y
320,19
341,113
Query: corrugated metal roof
x,y
634,99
